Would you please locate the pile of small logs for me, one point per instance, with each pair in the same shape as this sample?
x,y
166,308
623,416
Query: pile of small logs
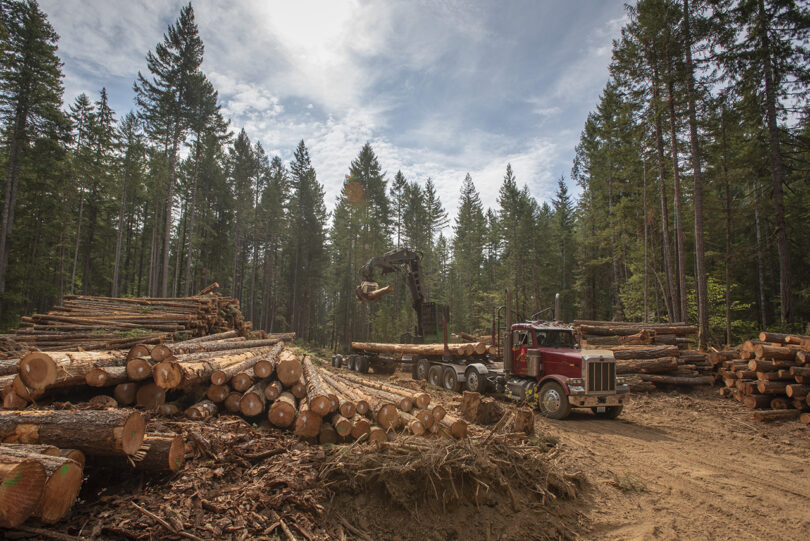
x,y
97,323
770,375
618,333
648,354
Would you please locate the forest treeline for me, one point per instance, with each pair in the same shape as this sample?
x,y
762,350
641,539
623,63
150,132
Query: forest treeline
x,y
693,172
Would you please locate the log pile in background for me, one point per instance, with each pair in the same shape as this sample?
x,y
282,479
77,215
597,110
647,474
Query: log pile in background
x,y
465,349
649,354
770,375
96,323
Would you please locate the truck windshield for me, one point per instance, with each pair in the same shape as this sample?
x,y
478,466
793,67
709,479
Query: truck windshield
x,y
555,339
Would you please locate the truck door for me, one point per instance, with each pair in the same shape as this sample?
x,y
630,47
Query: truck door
x,y
521,342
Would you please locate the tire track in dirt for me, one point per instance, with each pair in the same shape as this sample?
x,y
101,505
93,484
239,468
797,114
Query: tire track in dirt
x,y
706,472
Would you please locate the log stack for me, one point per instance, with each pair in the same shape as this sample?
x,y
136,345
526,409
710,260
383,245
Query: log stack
x,y
770,375
616,333
98,323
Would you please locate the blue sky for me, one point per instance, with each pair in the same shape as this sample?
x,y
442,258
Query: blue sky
x,y
440,88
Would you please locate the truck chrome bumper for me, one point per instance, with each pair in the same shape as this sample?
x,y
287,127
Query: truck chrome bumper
x,y
590,401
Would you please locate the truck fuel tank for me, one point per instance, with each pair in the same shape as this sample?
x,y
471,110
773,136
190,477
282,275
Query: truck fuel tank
x,y
534,363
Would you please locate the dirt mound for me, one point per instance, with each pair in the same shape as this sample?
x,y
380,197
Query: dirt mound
x,y
488,487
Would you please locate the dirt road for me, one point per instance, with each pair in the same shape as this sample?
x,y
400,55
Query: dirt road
x,y
694,466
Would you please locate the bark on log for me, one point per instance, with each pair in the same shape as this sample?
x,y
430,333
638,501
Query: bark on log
x,y
40,371
173,375
181,348
268,362
796,390
361,406
317,392
469,405
101,402
106,377
288,368
676,380
161,452
760,365
763,351
770,387
646,366
754,401
125,393
782,338
402,402
61,488
202,410
282,412
800,371
419,399
625,330
643,352
253,401
108,432
22,482
453,426
456,350
776,415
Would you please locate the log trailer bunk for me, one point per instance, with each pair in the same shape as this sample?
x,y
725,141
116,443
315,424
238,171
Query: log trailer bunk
x,y
542,364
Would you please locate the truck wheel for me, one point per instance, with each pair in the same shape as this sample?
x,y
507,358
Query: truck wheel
x,y
473,381
362,365
421,369
450,379
435,375
553,401
611,412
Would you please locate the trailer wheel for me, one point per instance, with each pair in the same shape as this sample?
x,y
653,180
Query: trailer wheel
x,y
553,401
450,379
362,365
337,361
421,369
435,375
611,412
351,362
474,381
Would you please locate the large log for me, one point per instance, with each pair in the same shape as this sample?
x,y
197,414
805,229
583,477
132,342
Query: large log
x,y
40,371
253,401
453,426
307,422
782,338
288,368
62,487
626,330
161,452
678,380
771,387
217,393
173,375
22,481
643,352
776,415
139,368
645,336
648,366
243,380
283,411
755,401
106,432
360,426
317,392
796,390
764,351
202,410
457,350
160,353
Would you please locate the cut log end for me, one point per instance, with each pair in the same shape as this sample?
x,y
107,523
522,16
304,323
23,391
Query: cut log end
x,y
167,375
21,485
61,491
38,370
133,433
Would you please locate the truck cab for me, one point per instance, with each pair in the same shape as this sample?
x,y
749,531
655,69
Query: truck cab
x,y
549,371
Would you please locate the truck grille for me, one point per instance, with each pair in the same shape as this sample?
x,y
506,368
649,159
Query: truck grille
x,y
601,377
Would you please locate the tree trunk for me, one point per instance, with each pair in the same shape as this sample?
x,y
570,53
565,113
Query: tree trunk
x,y
107,432
679,240
116,264
700,257
777,171
672,299
192,214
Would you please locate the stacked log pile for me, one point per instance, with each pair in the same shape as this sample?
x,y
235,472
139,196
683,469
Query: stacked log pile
x,y
648,355
770,375
96,323
464,349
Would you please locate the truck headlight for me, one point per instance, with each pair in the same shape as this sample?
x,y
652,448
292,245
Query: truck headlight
x,y
576,382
